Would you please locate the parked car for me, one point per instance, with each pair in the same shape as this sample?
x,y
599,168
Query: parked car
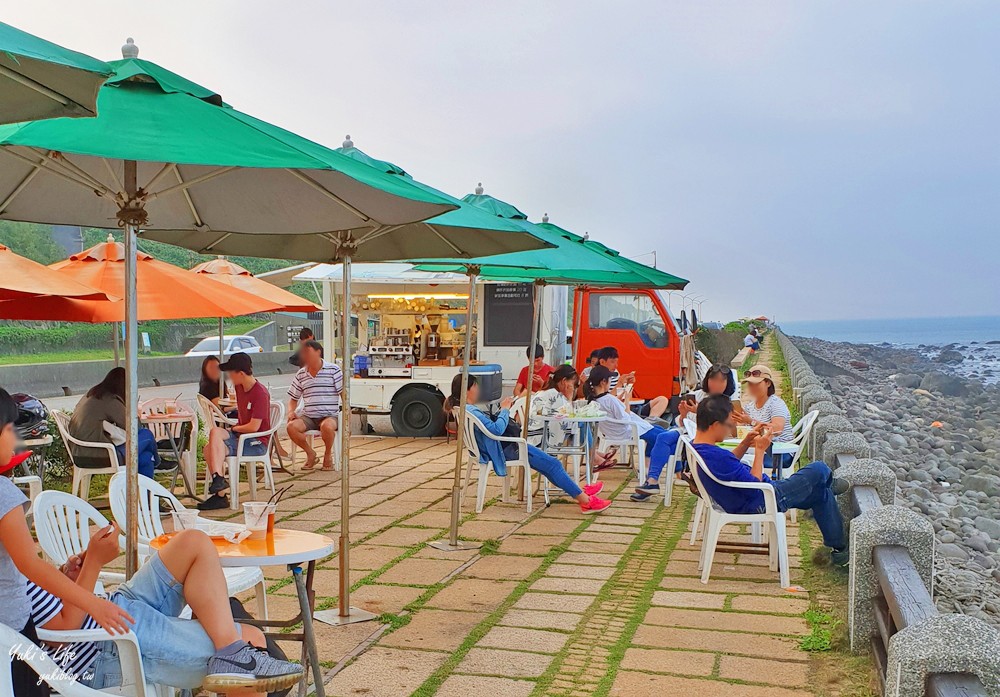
x,y
233,344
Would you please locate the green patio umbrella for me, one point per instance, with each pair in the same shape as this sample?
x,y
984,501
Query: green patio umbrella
x,y
571,261
166,155
42,80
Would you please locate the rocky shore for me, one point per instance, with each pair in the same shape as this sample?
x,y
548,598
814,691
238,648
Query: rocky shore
x,y
940,432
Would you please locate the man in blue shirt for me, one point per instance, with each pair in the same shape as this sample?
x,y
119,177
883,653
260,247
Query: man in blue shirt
x,y
813,487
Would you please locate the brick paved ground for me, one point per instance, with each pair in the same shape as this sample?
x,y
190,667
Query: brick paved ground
x,y
555,604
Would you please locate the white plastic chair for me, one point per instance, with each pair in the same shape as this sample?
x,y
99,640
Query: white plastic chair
x,y
83,475
315,433
34,484
517,413
474,425
150,524
62,525
236,462
630,443
133,677
718,518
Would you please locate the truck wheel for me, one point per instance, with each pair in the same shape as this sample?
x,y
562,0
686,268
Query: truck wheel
x,y
417,413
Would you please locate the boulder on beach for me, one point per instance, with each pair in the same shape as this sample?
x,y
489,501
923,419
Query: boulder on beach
x,y
944,384
950,356
907,380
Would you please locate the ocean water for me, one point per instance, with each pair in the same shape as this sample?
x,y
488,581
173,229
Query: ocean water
x,y
971,335
930,331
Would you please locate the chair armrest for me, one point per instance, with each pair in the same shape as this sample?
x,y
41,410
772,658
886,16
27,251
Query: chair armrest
x,y
770,500
129,657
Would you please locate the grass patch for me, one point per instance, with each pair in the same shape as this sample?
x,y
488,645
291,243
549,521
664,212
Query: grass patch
x,y
393,620
821,626
489,547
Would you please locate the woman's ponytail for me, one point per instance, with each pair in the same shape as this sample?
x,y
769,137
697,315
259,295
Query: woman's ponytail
x,y
598,374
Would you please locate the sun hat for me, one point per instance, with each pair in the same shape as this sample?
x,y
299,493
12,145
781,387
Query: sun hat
x,y
758,373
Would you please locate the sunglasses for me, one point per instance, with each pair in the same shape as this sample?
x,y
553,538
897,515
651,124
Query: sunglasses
x,y
754,374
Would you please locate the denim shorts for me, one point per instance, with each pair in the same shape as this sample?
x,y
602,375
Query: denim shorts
x,y
174,651
254,446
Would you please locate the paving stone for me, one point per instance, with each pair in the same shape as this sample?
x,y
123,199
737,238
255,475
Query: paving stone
x,y
737,571
465,685
435,630
587,536
503,567
472,594
462,555
485,529
511,664
402,537
535,640
597,547
505,513
580,586
783,648
438,520
378,598
540,619
550,526
555,602
589,559
370,523
705,601
756,603
728,621
579,572
530,544
383,672
420,572
659,661
723,586
618,528
632,684
781,673
419,495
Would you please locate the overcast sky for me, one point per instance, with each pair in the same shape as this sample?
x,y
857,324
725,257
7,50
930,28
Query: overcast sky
x,y
807,160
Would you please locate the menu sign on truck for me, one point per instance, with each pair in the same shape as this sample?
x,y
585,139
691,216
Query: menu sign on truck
x,y
507,314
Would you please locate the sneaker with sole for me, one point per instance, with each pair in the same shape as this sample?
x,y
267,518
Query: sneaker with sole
x,y
593,489
595,505
219,483
214,503
840,486
250,668
840,557
639,497
648,489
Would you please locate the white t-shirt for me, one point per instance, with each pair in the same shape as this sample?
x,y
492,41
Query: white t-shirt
x,y
774,406
616,410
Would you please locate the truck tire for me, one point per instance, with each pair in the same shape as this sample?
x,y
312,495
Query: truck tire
x,y
417,413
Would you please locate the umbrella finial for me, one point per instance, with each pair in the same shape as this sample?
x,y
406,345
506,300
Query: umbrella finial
x,y
130,50
479,189
348,143
111,238
586,236
545,217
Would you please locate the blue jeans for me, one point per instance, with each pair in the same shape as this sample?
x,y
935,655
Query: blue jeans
x,y
809,488
148,457
661,443
253,446
551,469
174,651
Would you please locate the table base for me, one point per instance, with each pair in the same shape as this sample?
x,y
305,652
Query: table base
x,y
332,617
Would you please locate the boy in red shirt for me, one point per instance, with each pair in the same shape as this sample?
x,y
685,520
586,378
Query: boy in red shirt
x,y
542,373
253,406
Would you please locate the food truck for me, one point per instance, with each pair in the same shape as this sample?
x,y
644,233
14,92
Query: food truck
x,y
410,337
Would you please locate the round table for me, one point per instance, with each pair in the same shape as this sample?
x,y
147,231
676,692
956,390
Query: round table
x,y
37,460
165,420
291,548
579,447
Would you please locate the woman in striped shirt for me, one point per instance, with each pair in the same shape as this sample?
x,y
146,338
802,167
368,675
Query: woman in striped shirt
x,y
765,407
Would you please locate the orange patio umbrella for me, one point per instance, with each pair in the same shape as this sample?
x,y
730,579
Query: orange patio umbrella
x,y
22,278
224,271
164,291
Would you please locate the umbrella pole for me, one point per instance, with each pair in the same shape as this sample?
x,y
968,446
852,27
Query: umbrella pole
x,y
131,217
536,303
577,322
222,357
345,613
453,544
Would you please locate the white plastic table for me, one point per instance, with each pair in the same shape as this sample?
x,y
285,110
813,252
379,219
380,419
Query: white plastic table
x,y
777,448
35,465
291,548
180,416
579,446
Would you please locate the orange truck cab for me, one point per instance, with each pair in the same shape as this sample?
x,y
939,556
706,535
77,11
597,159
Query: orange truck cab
x,y
637,323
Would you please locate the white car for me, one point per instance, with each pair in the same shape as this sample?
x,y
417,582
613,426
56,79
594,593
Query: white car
x,y
233,344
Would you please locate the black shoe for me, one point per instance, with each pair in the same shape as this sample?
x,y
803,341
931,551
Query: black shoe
x,y
840,557
214,503
648,489
219,483
840,486
639,497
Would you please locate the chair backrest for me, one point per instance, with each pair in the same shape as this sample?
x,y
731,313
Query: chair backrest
x,y
211,415
150,494
471,444
12,642
277,416
517,410
62,424
62,524
801,430
697,465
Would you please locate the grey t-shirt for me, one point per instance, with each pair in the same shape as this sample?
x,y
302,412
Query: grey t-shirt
x,y
15,608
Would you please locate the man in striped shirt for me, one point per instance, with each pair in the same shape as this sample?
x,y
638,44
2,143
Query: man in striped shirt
x,y
317,384
211,652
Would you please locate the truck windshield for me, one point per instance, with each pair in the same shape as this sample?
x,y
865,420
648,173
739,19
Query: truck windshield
x,y
629,312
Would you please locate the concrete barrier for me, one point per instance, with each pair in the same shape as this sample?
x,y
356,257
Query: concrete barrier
x,y
59,379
